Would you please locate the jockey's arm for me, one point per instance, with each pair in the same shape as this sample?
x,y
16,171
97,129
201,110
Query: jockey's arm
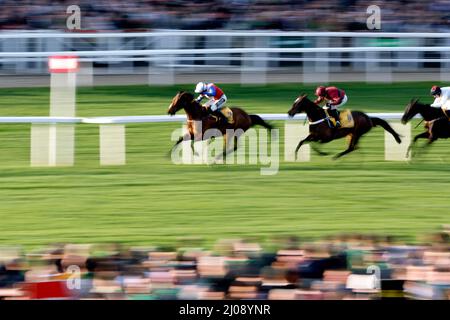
x,y
440,101
200,98
211,92
436,103
319,100
335,101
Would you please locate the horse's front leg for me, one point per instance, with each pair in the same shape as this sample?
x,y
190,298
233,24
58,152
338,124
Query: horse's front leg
x,y
307,139
423,135
186,137
193,146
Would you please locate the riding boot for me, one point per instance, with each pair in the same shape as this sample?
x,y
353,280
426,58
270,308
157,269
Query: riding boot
x,y
335,114
216,114
222,119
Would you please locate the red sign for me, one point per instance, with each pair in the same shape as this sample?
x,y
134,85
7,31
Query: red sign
x,y
63,64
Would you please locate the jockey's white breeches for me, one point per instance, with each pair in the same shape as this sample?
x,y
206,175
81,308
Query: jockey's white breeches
x,y
344,101
216,104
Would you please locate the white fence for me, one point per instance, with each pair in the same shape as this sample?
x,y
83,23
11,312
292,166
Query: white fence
x,y
164,54
52,137
161,118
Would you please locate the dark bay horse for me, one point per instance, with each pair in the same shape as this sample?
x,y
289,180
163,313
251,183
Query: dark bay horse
x,y
195,112
320,131
437,124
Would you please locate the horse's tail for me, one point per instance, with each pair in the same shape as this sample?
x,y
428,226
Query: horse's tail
x,y
257,120
387,127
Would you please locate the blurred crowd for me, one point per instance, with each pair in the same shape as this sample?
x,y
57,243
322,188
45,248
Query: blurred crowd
x,y
341,267
299,15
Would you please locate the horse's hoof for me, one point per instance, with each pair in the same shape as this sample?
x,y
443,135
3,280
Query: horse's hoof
x,y
169,155
219,160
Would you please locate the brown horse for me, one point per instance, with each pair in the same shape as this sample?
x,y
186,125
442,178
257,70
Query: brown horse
x,y
437,123
196,113
320,130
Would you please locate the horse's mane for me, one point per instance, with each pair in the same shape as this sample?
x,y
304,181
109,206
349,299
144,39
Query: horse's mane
x,y
417,101
304,96
180,93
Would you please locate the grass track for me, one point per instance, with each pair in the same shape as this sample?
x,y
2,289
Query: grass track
x,y
152,201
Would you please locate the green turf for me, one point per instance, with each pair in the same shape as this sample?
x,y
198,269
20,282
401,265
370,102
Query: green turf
x,y
152,201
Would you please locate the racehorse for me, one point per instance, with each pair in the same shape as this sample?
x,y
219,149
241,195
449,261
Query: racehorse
x,y
195,112
320,130
436,122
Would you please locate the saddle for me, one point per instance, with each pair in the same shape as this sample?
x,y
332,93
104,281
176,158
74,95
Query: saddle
x,y
346,119
217,119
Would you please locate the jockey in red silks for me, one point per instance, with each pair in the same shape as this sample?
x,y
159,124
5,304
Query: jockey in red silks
x,y
216,100
334,98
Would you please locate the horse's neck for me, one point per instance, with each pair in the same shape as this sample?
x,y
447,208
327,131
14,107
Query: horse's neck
x,y
429,113
314,112
194,111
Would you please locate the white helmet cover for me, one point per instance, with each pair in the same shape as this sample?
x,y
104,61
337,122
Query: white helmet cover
x,y
200,87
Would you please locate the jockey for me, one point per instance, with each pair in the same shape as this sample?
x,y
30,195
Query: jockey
x,y
217,100
334,99
441,98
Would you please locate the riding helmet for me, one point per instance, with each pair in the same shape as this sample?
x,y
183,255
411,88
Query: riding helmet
x,y
320,91
435,90
200,87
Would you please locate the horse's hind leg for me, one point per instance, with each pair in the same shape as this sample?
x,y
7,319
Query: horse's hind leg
x,y
423,135
427,145
351,147
227,150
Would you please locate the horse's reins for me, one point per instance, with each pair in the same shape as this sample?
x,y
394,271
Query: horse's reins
x,y
193,120
418,124
311,123
318,121
443,111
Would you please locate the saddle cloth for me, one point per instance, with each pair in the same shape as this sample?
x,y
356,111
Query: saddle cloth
x,y
346,119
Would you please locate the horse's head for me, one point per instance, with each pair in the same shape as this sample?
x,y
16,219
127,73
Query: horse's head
x,y
298,106
412,108
180,101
